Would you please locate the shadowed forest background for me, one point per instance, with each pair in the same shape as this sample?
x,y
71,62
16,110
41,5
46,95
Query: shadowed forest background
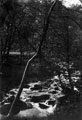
x,y
21,32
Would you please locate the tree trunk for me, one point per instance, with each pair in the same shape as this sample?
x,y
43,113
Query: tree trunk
x,y
32,59
67,46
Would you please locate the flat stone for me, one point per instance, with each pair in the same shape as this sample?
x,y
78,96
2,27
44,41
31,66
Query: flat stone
x,y
51,102
43,106
36,87
40,98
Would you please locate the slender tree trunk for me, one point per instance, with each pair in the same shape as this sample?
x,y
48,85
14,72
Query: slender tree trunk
x,y
68,52
1,51
46,25
31,60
